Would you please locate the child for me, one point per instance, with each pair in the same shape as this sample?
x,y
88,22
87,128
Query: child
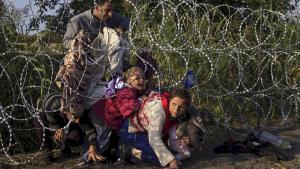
x,y
107,115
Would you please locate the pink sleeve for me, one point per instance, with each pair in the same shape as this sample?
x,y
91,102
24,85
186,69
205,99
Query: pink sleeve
x,y
127,102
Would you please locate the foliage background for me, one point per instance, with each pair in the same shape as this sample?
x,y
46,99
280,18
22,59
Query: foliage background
x,y
246,63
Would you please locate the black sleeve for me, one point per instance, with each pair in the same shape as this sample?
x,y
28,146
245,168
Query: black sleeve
x,y
88,129
53,116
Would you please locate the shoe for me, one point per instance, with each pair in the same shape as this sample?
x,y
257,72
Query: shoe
x,y
126,156
132,160
65,151
125,152
48,155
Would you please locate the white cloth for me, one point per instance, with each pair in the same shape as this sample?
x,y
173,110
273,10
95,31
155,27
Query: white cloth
x,y
108,52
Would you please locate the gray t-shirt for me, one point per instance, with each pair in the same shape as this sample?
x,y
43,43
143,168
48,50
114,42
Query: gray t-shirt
x,y
92,26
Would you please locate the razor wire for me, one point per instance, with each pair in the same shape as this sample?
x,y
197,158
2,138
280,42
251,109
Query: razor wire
x,y
247,65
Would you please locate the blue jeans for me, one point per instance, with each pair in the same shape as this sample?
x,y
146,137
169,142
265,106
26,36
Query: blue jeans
x,y
139,141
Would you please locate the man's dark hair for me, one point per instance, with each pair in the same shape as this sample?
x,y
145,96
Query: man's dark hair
x,y
182,93
101,2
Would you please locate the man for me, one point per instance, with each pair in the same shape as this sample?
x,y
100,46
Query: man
x,y
91,22
94,44
92,37
54,119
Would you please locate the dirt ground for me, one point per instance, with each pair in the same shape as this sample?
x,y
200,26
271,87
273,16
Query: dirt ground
x,y
205,159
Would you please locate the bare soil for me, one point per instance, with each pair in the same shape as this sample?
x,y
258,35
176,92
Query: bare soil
x,y
205,159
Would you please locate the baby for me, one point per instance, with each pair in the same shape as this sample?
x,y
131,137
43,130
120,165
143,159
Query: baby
x,y
187,136
179,144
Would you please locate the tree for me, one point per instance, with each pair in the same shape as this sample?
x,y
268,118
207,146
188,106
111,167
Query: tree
x,y
7,26
58,22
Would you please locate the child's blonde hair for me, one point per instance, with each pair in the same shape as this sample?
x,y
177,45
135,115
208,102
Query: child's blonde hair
x,y
130,72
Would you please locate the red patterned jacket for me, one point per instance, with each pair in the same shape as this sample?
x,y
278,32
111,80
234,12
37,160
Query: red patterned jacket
x,y
114,110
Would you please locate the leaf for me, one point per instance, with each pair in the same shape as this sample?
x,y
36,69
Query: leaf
x,y
40,69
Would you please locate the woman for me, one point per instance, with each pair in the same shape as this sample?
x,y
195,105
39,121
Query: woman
x,y
147,131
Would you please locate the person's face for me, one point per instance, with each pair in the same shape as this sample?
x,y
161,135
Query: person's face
x,y
103,12
137,80
178,106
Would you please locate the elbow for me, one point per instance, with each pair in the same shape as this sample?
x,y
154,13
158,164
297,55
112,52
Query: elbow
x,y
151,140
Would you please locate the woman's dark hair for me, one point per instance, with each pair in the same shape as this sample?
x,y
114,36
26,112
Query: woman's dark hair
x,y
182,93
